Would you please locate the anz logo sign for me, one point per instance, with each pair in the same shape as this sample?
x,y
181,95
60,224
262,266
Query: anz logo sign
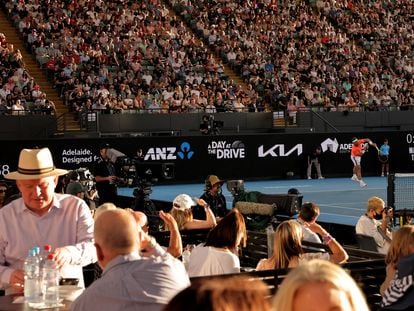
x,y
183,152
279,150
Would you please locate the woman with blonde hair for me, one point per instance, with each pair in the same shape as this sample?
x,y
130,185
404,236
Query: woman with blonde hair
x,y
288,252
183,214
319,285
237,293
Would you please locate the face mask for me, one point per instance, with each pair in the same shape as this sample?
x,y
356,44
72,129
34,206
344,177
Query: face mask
x,y
378,216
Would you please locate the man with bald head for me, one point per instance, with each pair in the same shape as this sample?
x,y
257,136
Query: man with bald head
x,y
130,281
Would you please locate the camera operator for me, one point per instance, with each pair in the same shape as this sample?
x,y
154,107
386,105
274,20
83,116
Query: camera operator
x,y
105,177
205,126
75,187
213,197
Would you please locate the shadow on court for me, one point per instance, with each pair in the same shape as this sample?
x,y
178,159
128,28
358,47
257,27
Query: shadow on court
x,y
341,200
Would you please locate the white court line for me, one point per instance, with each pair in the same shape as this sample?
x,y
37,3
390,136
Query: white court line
x,y
336,215
286,186
342,207
345,203
342,190
319,191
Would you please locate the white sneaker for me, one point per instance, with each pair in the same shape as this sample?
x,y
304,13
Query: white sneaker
x,y
382,175
362,184
354,178
309,177
321,177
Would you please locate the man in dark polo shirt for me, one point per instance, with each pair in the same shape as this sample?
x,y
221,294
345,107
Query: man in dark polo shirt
x,y
105,177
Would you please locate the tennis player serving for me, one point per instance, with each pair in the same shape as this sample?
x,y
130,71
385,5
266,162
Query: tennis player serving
x,y
359,147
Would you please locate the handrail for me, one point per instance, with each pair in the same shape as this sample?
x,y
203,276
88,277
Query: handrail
x,y
326,122
61,122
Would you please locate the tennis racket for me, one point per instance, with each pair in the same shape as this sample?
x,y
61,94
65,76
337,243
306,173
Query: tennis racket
x,y
383,158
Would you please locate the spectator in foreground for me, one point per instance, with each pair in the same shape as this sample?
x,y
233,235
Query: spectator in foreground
x,y
237,293
183,214
175,246
288,252
42,217
374,223
219,255
319,286
398,287
308,214
102,208
130,282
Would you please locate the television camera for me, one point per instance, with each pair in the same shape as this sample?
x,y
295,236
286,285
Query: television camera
x,y
84,176
214,126
141,176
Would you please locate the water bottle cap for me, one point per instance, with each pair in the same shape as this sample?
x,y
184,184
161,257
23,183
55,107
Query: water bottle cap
x,y
50,256
36,249
47,247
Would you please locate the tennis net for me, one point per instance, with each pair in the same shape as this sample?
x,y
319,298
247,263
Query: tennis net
x,y
400,191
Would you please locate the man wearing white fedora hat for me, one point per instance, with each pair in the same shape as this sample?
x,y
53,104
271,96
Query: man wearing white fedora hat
x,y
42,217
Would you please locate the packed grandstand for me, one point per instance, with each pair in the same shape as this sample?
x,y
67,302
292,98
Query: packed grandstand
x,y
172,57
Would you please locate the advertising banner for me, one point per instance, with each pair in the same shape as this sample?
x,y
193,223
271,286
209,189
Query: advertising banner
x,y
262,156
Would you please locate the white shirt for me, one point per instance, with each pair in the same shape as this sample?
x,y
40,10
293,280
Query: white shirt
x,y
208,260
308,234
132,283
67,224
369,226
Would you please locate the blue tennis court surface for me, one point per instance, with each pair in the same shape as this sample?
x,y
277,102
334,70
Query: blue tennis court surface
x,y
341,200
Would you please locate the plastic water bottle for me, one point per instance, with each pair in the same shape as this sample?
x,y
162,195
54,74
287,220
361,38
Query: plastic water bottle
x,y
43,255
50,282
37,250
42,258
186,257
31,278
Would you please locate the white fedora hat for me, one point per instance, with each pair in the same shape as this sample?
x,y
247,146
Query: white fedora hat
x,y
35,164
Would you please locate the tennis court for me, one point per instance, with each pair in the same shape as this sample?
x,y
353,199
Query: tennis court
x,y
341,200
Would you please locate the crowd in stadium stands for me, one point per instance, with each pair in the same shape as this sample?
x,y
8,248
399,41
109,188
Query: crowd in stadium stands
x,y
293,55
324,55
19,94
134,58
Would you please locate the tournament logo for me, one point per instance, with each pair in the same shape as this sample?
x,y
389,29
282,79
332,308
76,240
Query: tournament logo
x,y
334,146
329,144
